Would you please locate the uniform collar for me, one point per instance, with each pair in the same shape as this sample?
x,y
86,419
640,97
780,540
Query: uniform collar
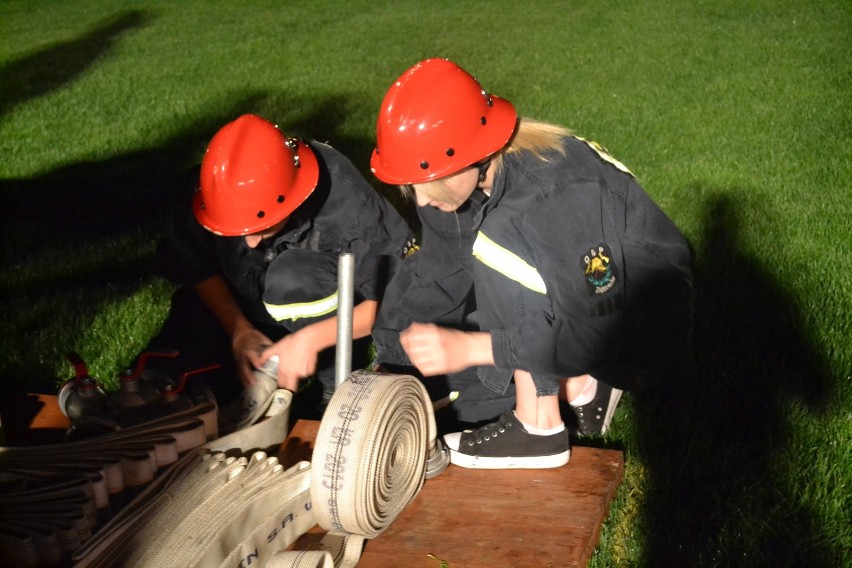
x,y
485,203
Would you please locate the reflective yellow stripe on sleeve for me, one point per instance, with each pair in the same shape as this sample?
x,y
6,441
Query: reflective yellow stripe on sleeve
x,y
293,312
507,263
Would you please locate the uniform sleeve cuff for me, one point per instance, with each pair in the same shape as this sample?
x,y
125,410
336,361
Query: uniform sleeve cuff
x,y
391,356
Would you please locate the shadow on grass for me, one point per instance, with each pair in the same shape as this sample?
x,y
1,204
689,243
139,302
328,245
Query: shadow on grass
x,y
710,442
80,239
52,67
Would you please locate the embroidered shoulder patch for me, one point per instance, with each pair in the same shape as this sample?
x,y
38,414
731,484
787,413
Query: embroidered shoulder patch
x,y
410,247
598,269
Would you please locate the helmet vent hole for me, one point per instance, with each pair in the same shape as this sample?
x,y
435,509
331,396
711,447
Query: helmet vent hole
x,y
424,165
450,152
280,199
483,121
261,214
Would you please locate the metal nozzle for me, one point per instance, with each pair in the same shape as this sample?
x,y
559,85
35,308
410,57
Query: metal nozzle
x,y
438,459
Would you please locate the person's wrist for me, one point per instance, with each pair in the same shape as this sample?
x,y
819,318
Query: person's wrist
x,y
320,335
480,348
241,328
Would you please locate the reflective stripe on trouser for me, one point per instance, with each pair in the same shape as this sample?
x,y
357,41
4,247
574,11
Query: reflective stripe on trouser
x,y
301,289
318,308
301,285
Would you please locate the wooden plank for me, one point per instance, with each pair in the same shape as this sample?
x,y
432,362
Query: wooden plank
x,y
465,517
485,518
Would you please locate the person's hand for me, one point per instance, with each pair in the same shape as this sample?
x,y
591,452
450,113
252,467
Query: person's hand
x,y
297,358
247,344
436,350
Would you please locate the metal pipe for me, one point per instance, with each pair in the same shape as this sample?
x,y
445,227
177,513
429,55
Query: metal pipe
x,y
345,307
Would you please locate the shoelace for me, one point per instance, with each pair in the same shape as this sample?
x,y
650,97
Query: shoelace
x,y
489,431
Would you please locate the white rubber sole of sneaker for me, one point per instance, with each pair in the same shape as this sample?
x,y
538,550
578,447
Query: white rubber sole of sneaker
x,y
534,462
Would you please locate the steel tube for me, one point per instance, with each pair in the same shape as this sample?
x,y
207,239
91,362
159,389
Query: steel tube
x,y
345,307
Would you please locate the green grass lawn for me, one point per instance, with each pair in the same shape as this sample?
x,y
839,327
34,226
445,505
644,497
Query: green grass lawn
x,y
735,116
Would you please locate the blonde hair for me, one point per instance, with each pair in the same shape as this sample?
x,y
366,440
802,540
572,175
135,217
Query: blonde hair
x,y
534,136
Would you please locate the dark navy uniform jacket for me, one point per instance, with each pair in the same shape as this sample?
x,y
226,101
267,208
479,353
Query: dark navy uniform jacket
x,y
291,279
569,264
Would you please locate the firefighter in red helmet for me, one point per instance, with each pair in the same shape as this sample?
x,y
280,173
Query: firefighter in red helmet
x,y
256,260
545,273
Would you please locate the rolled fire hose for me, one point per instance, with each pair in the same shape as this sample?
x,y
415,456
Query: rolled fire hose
x,y
369,462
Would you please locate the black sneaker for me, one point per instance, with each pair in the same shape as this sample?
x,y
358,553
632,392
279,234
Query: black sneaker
x,y
505,444
594,418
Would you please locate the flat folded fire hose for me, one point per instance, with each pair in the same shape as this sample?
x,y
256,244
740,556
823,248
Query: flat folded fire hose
x,y
51,497
213,505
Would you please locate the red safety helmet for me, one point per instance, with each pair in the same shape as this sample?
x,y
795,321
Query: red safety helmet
x,y
436,120
252,177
